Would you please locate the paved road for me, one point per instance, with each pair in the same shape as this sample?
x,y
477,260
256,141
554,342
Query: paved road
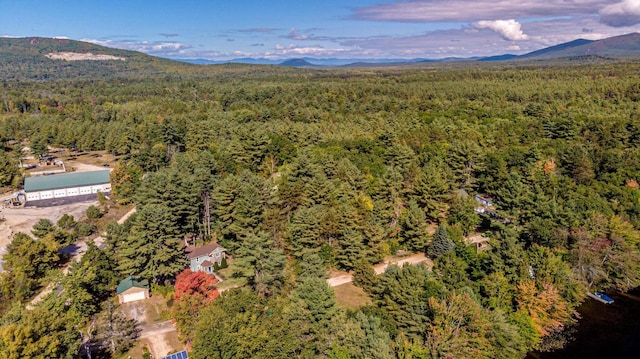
x,y
380,268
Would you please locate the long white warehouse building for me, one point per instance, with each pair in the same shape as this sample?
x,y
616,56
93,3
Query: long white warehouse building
x,y
71,186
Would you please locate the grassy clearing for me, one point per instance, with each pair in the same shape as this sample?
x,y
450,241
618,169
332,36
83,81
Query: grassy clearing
x,y
351,297
229,281
115,212
135,352
156,309
97,158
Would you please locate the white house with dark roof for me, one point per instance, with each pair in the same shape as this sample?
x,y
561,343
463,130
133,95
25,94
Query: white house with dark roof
x,y
206,257
77,186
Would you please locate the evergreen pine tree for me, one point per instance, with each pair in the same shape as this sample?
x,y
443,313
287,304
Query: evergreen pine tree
x,y
364,276
153,248
42,228
351,249
312,265
431,189
462,212
441,243
260,263
414,228
305,231
311,312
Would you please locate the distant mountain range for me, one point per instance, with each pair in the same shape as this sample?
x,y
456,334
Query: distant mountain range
x,y
43,58
304,61
612,47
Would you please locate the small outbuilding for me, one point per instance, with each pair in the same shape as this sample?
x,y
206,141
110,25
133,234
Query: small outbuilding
x,y
67,187
130,290
480,242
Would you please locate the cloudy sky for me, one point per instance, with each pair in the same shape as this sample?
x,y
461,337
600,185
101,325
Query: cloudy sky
x,y
353,29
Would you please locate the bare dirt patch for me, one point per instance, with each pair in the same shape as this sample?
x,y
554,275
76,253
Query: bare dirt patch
x,y
160,339
157,334
22,219
91,157
75,166
79,56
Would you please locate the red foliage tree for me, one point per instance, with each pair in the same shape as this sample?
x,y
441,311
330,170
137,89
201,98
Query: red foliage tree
x,y
196,284
194,291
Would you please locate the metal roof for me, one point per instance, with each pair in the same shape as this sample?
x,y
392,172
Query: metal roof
x,y
66,180
131,282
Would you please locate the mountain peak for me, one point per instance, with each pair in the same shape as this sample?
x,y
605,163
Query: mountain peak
x,y
296,63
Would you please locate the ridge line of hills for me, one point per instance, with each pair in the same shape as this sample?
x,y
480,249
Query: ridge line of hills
x,y
30,58
612,47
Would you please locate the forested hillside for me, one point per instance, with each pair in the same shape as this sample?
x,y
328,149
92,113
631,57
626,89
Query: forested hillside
x,y
29,59
296,171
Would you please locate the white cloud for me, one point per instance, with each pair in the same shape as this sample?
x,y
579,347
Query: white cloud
x,y
509,29
624,13
296,36
463,31
474,10
163,48
553,32
463,42
291,50
469,41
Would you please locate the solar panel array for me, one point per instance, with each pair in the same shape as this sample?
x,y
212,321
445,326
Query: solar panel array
x,y
178,355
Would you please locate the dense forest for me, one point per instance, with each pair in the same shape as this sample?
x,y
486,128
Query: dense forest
x,y
298,171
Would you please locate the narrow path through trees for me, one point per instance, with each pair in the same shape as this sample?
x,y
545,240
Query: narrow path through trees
x,y
77,250
380,268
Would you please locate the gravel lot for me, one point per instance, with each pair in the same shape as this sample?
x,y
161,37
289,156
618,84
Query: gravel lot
x,y
23,219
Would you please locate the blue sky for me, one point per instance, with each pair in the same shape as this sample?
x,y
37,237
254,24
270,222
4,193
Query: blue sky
x,y
356,29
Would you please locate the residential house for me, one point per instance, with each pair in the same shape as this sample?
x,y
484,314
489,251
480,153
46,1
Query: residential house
x,y
483,201
130,290
485,206
206,257
481,243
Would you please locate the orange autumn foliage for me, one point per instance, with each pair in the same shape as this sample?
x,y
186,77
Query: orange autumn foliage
x,y
549,166
631,183
199,284
548,310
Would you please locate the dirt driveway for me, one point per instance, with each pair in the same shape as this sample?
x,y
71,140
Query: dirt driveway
x,y
154,335
380,268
